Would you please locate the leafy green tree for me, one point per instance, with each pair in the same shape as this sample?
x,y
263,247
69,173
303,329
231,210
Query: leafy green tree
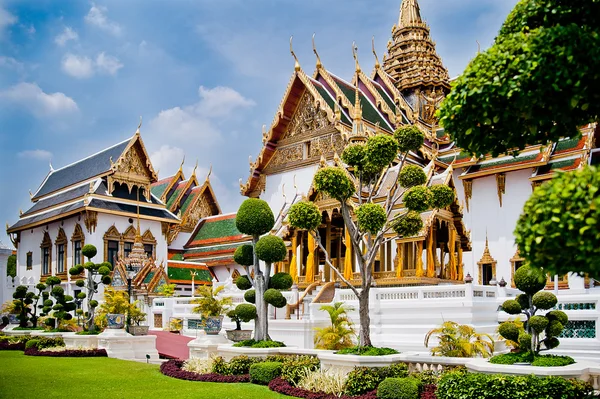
x,y
167,290
63,304
356,182
538,329
340,334
255,219
538,82
11,267
23,301
97,273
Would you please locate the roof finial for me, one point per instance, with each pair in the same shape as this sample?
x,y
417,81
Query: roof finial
x,y
30,194
377,64
355,55
478,46
209,173
296,62
139,126
319,64
409,13
51,168
195,167
182,162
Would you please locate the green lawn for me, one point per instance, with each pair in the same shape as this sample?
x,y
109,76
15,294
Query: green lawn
x,y
46,378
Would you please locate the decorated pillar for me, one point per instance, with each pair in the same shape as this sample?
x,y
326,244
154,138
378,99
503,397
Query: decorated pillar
x,y
327,269
460,276
451,251
430,255
419,272
399,260
294,260
442,253
310,261
348,264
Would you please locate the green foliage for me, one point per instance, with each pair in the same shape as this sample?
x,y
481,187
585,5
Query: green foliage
x,y
511,306
106,280
399,388
443,196
408,225
296,367
381,150
103,270
530,279
263,373
367,351
11,266
552,361
250,296
409,138
244,255
209,304
281,281
32,343
240,365
305,215
93,303
412,175
80,283
371,217
525,341
167,290
509,331
254,217
220,366
418,198
460,384
243,283
554,329
538,323
271,249
544,300
512,358
73,271
558,315
52,281
334,182
365,379
460,340
89,251
537,83
250,343
243,312
559,227
275,297
340,334
523,300
354,156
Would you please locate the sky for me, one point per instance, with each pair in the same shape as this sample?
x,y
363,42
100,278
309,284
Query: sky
x,y
205,75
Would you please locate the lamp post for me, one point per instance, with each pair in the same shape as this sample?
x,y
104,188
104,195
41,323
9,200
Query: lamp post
x,y
130,276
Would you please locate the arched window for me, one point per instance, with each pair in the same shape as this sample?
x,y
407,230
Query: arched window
x,y
128,240
78,241
61,252
46,248
149,244
112,237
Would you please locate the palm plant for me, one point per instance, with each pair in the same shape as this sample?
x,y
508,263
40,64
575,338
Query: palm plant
x,y
460,340
340,334
209,305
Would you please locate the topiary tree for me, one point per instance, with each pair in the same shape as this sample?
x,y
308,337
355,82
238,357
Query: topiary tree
x,y
532,281
97,273
11,267
22,301
255,218
62,305
243,312
364,165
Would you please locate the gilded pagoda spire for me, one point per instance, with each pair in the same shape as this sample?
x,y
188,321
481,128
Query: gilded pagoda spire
x,y
412,59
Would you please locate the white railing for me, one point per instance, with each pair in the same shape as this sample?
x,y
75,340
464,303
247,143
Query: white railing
x,y
474,292
595,378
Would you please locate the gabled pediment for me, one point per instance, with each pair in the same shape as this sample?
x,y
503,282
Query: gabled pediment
x,y
133,168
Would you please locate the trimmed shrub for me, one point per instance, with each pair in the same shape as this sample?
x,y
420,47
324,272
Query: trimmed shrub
x,y
412,175
296,368
381,150
512,358
250,296
558,315
250,343
544,300
552,361
509,331
371,217
367,351
271,249
244,255
354,155
254,217
263,373
240,365
409,138
334,182
305,215
525,341
173,368
511,306
365,379
32,343
275,298
399,388
530,279
243,283
418,198
281,281
538,323
408,225
443,196
89,251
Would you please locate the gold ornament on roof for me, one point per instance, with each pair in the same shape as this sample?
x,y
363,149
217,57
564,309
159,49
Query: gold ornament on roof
x,y
319,64
296,62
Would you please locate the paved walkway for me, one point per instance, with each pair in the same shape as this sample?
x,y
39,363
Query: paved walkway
x,y
171,345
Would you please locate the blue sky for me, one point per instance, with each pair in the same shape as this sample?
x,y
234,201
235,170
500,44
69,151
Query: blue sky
x,y
205,75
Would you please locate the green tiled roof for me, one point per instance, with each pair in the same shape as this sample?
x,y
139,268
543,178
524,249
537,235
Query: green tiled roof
x,y
385,97
369,113
148,277
189,200
211,248
460,156
159,189
173,197
217,229
177,257
506,161
329,100
556,165
568,144
179,273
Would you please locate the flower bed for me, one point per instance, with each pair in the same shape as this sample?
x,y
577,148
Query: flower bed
x,y
173,368
12,346
280,385
67,353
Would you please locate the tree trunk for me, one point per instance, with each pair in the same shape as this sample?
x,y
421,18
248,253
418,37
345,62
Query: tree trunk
x,y
365,320
90,286
260,324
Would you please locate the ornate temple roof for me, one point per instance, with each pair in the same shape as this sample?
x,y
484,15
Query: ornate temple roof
x,y
181,273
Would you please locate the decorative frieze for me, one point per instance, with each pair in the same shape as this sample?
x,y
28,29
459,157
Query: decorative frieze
x,y
501,184
468,188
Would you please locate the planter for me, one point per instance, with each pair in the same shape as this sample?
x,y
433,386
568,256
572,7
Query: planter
x,y
115,321
213,325
238,335
138,330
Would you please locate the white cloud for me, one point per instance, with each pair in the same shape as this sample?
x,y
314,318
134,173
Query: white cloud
x,y
108,63
38,155
199,122
6,19
97,17
67,34
77,66
30,96
83,67
167,159
11,63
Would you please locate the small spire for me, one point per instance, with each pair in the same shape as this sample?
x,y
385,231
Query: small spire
x,y
296,62
319,64
51,168
30,194
377,64
139,126
478,46
195,167
209,173
182,162
355,55
410,13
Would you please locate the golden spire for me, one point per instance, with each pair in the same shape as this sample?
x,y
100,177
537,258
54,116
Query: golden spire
x,y
139,126
410,13
355,55
296,63
319,64
181,165
209,173
377,64
194,171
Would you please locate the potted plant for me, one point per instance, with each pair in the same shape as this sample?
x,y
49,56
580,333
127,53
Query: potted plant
x,y
242,313
136,316
211,308
9,309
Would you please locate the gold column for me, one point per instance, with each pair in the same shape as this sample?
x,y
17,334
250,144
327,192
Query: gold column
x,y
310,261
419,272
399,260
294,261
442,253
348,263
430,255
460,276
451,250
327,269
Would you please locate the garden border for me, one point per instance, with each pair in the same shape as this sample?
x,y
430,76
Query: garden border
x,y
172,368
67,353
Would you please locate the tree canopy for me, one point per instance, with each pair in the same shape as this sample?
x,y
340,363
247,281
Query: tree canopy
x,y
539,81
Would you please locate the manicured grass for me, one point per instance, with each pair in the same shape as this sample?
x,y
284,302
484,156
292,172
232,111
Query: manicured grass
x,y
106,378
